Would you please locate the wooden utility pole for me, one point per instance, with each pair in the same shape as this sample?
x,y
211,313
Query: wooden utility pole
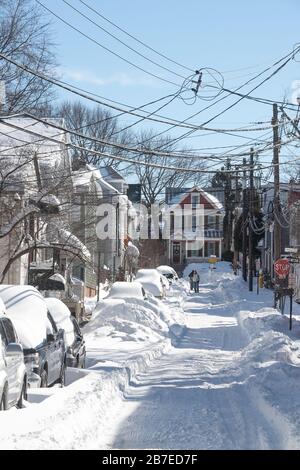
x,y
98,276
250,236
244,223
276,200
228,208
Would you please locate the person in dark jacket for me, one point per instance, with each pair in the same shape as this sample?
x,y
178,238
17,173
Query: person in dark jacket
x,y
191,279
196,281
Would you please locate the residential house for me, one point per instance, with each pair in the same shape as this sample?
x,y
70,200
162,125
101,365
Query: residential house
x,y
183,250
35,178
93,187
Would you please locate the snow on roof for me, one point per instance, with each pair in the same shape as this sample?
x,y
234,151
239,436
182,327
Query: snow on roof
x,y
52,155
110,173
213,199
178,197
58,234
88,173
58,277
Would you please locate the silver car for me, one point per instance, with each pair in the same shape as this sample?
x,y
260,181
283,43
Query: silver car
x,y
13,380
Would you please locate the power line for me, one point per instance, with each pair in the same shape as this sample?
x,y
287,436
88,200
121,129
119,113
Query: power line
x,y
287,58
118,158
122,42
104,47
152,152
135,38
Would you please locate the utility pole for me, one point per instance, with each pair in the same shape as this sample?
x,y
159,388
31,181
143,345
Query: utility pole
x,y
250,249
228,207
98,276
276,200
244,223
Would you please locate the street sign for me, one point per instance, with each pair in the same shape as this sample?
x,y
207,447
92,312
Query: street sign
x,y
291,250
282,268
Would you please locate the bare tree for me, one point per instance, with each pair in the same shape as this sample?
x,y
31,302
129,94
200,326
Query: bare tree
x,y
35,202
25,36
97,123
155,180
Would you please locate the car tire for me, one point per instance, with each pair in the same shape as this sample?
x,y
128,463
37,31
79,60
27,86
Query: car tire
x,y
3,401
23,395
62,376
44,379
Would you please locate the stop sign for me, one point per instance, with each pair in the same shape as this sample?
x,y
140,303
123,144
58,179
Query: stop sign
x,y
282,267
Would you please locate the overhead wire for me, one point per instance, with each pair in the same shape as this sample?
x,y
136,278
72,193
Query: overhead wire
x,y
116,157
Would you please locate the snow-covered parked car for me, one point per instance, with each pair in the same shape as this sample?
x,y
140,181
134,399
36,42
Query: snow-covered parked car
x,y
127,290
76,352
43,343
13,377
168,272
152,281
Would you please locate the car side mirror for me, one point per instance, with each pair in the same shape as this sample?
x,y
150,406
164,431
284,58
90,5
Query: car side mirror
x,y
14,349
50,338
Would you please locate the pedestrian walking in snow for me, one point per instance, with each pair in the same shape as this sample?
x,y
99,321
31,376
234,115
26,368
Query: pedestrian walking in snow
x,y
191,279
196,280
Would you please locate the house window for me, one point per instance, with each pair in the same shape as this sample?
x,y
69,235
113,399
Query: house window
x,y
195,200
211,222
192,253
194,223
210,249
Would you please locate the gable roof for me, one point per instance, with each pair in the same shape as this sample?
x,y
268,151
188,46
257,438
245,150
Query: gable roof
x,y
182,198
110,174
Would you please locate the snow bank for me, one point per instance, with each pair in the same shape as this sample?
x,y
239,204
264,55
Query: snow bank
x,y
134,320
75,417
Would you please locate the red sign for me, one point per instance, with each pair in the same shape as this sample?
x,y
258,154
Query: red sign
x,y
282,267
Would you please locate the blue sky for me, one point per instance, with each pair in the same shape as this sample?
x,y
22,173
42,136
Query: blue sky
x,y
227,35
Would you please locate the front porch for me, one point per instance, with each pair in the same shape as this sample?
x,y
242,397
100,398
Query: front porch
x,y
182,252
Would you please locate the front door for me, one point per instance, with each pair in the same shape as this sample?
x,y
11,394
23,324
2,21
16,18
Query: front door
x,y
176,252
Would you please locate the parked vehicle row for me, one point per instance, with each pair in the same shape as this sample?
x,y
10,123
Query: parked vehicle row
x,y
39,339
148,283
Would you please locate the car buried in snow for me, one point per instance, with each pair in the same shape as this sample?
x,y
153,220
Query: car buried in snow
x,y
168,272
43,342
152,282
13,377
75,344
127,290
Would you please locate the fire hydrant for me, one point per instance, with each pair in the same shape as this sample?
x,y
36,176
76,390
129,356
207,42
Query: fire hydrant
x,y
261,279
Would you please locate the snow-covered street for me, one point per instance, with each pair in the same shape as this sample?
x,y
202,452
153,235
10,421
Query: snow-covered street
x,y
229,380
210,392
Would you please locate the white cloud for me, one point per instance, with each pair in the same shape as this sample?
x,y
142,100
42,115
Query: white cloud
x,y
122,79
